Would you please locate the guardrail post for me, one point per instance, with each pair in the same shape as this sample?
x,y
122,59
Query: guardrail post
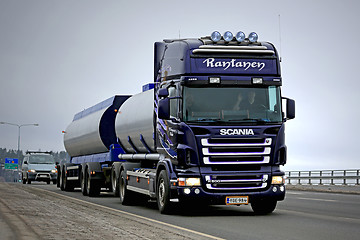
x,y
289,182
357,179
320,178
309,177
332,178
299,182
344,177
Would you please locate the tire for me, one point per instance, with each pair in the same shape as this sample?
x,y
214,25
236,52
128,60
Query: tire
x,y
263,207
54,181
23,179
126,196
92,186
114,182
83,181
163,194
28,181
48,182
68,186
61,182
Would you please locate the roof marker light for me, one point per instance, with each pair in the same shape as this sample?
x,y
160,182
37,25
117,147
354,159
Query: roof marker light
x,y
253,37
240,36
228,36
215,36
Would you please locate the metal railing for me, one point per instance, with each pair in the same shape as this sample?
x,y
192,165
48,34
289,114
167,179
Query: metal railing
x,y
323,177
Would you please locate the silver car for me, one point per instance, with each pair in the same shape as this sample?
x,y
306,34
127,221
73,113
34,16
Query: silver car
x,y
38,166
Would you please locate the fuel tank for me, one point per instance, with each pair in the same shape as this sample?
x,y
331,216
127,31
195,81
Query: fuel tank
x,y
93,130
134,123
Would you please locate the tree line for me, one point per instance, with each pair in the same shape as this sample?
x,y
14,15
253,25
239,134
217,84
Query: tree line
x,y
10,153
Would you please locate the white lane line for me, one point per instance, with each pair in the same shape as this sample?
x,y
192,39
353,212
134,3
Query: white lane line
x,y
136,216
318,199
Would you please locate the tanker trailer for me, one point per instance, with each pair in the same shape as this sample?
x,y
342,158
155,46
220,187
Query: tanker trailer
x,y
91,142
209,129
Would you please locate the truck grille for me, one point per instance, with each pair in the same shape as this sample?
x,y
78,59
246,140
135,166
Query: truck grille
x,y
236,150
235,182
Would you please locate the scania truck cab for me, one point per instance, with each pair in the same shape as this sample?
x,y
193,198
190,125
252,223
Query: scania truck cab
x,y
221,119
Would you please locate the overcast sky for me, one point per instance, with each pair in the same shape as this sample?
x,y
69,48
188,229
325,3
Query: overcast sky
x,y
60,57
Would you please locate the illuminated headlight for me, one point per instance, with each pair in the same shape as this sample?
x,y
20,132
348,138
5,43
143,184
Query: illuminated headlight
x,y
215,36
214,80
228,36
240,36
54,171
257,80
32,171
253,37
189,182
277,180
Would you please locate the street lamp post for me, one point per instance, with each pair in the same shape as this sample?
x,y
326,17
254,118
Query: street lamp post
x,y
19,127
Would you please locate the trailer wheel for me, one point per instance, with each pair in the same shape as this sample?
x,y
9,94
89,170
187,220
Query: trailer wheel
x,y
67,186
83,183
114,182
92,186
126,196
163,193
263,207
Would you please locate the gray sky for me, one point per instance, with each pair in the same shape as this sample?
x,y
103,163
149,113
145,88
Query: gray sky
x,y
60,57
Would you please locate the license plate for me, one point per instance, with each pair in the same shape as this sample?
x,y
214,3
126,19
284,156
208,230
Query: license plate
x,y
43,175
236,200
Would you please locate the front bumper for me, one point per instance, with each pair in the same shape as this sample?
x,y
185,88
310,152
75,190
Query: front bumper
x,y
274,192
42,177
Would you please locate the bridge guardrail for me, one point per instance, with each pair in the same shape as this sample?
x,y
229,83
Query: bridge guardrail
x,y
323,177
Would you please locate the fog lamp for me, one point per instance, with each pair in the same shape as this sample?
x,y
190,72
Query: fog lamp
x,y
253,37
240,36
215,36
228,36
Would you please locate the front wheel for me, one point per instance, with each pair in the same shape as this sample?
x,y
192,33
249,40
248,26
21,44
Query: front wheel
x,y
126,196
115,182
263,207
163,193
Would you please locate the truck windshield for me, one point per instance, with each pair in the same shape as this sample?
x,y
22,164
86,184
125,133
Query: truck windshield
x,y
41,159
241,104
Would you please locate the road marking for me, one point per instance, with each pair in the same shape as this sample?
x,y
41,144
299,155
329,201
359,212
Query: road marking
x,y
318,199
135,215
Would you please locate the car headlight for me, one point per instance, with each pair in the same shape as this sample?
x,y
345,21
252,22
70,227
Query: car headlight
x,y
54,171
278,180
189,182
32,170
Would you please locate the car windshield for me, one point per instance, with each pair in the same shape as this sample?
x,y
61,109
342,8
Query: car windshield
x,y
41,159
240,104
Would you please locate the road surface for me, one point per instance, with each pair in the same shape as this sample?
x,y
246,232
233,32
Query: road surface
x,y
303,215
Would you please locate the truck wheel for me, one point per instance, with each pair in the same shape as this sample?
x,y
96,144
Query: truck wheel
x,y
83,181
61,183
163,193
68,186
92,187
126,196
263,207
114,182
23,179
58,176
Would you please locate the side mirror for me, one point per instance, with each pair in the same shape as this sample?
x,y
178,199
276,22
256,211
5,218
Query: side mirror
x,y
290,108
163,92
25,162
164,108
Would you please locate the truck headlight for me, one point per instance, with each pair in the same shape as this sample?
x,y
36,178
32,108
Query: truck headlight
x,y
189,182
32,170
277,180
